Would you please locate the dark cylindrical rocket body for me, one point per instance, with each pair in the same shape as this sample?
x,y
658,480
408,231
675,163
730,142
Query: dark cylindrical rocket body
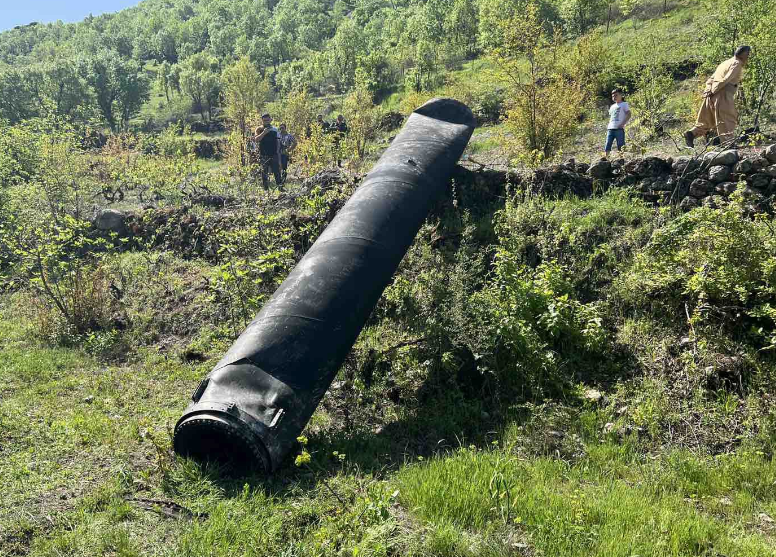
x,y
260,396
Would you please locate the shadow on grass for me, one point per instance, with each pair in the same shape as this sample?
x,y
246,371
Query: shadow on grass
x,y
445,417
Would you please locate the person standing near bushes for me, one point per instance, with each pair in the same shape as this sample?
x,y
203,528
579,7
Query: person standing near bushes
x,y
269,151
718,112
619,115
287,145
341,129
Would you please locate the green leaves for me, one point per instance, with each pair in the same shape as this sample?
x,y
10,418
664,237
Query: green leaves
x,y
253,261
719,263
120,87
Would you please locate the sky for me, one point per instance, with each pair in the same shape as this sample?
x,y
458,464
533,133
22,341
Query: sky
x,y
22,12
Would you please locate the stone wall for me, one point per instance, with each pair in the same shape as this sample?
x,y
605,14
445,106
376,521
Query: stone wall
x,y
706,179
692,181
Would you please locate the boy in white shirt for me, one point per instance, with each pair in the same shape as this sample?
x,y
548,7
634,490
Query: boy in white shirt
x,y
619,115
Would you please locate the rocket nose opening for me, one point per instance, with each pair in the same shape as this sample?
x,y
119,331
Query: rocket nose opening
x,y
222,440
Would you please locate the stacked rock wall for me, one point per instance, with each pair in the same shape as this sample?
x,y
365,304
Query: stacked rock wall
x,y
691,181
706,179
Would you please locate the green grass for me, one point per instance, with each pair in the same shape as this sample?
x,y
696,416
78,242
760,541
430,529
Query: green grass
x,y
610,503
85,441
74,465
676,33
662,465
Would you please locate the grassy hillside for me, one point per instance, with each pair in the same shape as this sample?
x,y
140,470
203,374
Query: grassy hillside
x,y
576,395
543,376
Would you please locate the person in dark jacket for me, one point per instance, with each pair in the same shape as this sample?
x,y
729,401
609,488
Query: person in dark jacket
x,y
325,126
269,151
340,127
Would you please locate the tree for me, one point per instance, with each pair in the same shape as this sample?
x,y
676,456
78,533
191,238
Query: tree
x,y
163,78
760,81
15,97
133,91
581,15
120,87
174,78
545,107
244,94
363,120
199,80
461,27
298,112
492,13
342,53
374,72
593,65
64,87
609,5
628,9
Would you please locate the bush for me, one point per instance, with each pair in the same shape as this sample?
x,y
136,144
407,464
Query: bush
x,y
544,107
522,330
717,265
591,238
252,262
534,325
61,265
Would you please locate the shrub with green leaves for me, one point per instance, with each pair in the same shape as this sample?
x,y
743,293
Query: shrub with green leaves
x,y
531,325
60,263
253,261
717,265
591,238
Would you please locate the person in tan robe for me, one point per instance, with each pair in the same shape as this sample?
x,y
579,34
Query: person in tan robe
x,y
718,112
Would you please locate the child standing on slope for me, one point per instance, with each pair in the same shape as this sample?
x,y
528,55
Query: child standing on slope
x,y
619,114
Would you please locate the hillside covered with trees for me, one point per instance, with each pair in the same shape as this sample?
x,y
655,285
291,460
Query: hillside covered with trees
x,y
103,70
576,356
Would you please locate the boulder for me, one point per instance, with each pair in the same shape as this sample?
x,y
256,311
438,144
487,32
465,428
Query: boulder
x,y
724,158
684,164
645,185
689,203
218,201
770,153
391,121
744,167
751,194
719,174
725,188
701,188
760,181
759,163
111,220
718,200
647,167
714,201
663,184
600,170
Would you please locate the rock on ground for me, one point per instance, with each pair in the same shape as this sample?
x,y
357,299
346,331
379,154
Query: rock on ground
x,y
111,220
